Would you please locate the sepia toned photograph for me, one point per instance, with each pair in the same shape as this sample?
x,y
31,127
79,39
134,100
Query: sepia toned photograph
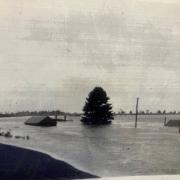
x,y
90,89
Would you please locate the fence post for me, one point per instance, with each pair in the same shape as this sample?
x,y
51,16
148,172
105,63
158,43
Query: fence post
x,y
65,117
165,121
136,112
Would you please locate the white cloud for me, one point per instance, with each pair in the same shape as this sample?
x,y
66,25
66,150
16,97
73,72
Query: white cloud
x,y
52,53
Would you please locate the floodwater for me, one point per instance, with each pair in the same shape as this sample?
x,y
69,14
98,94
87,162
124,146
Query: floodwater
x,y
112,150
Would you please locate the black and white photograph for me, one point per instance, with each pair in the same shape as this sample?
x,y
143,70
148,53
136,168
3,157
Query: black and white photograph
x,y
90,89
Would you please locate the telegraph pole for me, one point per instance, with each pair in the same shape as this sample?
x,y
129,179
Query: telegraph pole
x,y
165,121
136,112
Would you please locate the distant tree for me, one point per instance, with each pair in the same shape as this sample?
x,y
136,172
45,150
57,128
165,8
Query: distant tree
x,y
130,112
141,112
147,111
97,110
159,112
164,112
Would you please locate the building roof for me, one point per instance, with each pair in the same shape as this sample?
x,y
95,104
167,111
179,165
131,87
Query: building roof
x,y
36,119
41,121
174,123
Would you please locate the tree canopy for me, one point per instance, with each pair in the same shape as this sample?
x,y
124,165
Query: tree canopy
x,y
97,109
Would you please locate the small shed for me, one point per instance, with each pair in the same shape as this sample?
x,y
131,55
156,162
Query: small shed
x,y
41,121
173,123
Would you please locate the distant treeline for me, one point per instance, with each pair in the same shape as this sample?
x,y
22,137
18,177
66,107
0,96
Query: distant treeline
x,y
37,113
147,112
58,112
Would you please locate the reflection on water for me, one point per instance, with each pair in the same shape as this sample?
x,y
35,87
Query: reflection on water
x,y
114,150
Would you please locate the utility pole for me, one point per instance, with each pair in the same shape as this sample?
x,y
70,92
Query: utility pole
x,y
165,121
65,117
136,112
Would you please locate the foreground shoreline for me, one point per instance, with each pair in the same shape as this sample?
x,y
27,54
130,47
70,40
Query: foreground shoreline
x,y
25,164
150,177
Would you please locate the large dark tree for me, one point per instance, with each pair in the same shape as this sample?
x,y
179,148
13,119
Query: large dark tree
x,y
97,110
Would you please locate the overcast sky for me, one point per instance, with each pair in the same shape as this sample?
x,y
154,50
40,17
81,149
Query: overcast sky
x,y
53,52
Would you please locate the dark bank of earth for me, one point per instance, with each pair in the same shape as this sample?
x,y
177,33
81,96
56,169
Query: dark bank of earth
x,y
23,164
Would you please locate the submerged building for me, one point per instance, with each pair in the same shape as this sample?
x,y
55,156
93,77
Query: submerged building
x,y
41,121
173,123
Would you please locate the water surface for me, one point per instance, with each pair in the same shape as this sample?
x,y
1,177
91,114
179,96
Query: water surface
x,y
115,150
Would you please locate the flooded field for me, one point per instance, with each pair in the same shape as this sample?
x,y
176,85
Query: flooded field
x,y
115,150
